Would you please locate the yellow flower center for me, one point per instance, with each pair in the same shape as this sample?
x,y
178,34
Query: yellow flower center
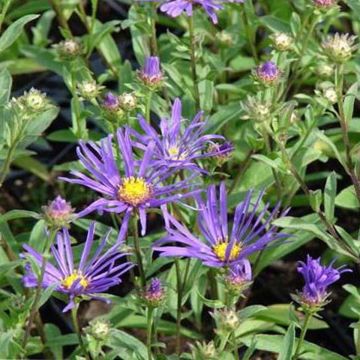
x,y
68,282
220,250
173,151
134,191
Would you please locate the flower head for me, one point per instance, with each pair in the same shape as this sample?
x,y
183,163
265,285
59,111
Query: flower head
x,y
151,74
89,89
58,213
68,49
111,102
221,151
317,279
256,109
282,41
93,275
339,48
175,8
139,188
238,277
154,294
325,4
267,73
128,101
179,144
250,232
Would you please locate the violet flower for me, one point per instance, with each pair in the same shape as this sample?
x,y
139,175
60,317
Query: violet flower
x,y
58,213
179,144
111,101
250,232
175,8
93,275
138,189
151,74
268,73
317,279
154,294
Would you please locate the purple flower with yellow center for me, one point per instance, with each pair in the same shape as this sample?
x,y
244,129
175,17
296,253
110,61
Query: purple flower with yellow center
x,y
179,144
154,294
151,74
267,73
250,232
93,275
176,8
140,187
58,213
317,279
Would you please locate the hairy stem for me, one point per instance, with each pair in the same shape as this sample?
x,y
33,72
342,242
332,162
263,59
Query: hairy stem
x,y
302,335
75,321
193,61
150,312
138,251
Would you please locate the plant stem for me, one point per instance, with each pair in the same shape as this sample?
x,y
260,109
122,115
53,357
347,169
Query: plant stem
x,y
59,14
249,34
74,317
153,39
339,84
150,312
138,252
179,303
6,166
302,335
193,61
148,107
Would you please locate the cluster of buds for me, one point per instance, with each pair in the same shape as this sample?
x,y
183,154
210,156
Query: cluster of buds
x,y
151,75
327,92
203,351
317,279
282,41
97,334
238,278
227,320
221,152
68,49
256,109
324,70
128,101
339,48
119,105
154,295
89,89
58,213
31,101
267,73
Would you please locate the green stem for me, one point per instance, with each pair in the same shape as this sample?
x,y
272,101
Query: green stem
x,y
4,10
138,252
6,166
193,61
302,335
60,16
339,84
150,312
74,317
153,39
223,342
250,35
148,107
179,303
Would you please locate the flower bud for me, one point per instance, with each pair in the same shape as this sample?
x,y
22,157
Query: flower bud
x,y
68,49
268,73
58,213
98,329
31,101
238,277
154,294
203,351
225,38
227,320
330,95
89,89
282,41
255,109
151,75
324,70
128,101
221,152
339,48
324,4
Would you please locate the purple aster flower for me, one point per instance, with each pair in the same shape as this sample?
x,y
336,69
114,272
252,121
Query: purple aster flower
x,y
250,232
140,188
154,294
151,74
324,4
93,275
239,277
268,73
177,146
111,101
175,8
221,152
317,278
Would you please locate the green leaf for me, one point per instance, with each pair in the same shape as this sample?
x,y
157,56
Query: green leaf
x,y
34,166
275,24
5,90
206,90
347,198
18,214
349,102
329,197
287,346
14,31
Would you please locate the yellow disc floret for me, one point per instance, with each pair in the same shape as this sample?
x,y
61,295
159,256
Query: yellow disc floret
x,y
220,248
134,191
68,282
173,151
